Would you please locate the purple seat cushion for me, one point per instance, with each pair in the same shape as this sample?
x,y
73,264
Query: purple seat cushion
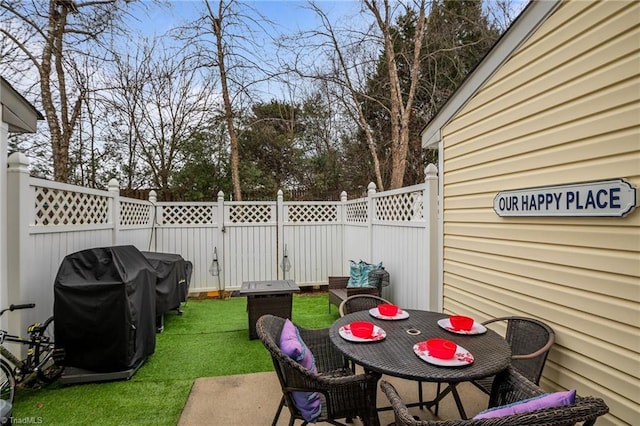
x,y
308,403
549,400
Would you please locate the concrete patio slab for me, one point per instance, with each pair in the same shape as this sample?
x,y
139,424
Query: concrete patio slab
x,y
252,399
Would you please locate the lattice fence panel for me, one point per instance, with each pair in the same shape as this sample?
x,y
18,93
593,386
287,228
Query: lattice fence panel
x,y
134,213
313,213
400,207
357,212
250,214
187,215
59,207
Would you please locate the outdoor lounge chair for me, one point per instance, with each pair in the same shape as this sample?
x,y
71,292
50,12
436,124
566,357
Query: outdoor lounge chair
x,y
338,290
509,387
343,394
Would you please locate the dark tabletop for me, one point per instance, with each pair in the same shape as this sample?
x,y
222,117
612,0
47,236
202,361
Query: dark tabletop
x,y
268,287
394,355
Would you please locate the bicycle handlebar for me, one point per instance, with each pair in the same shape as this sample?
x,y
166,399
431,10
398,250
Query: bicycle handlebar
x,y
22,306
16,307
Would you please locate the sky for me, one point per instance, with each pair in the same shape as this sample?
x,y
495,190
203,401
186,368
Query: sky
x,y
289,15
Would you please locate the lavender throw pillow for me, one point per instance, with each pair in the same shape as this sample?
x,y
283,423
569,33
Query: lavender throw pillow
x,y
549,400
308,403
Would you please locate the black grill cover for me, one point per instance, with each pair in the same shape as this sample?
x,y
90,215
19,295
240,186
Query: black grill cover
x,y
104,308
173,274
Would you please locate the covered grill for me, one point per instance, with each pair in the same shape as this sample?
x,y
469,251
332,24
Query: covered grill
x,y
104,308
174,274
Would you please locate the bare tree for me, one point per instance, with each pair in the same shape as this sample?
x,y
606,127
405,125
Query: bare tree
x,y
401,104
353,57
122,106
339,60
229,37
176,100
51,34
348,73
217,19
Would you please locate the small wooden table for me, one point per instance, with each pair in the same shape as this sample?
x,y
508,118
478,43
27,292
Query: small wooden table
x,y
267,297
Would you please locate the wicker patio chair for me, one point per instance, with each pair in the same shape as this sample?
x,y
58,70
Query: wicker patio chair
x,y
530,341
343,394
360,302
509,386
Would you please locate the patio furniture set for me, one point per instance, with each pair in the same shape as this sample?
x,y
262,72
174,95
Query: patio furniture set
x,y
319,368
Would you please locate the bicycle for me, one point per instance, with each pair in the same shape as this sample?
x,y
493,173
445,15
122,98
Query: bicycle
x,y
41,361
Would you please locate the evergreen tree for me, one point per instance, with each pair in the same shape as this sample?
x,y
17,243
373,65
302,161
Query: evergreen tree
x,y
271,158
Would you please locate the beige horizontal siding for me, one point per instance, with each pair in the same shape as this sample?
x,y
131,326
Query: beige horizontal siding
x,y
522,291
621,286
552,73
564,108
600,237
570,143
595,169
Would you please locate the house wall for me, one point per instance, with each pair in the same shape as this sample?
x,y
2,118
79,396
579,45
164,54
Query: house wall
x,y
564,108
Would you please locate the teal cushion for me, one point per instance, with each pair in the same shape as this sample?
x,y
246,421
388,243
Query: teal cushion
x,y
359,273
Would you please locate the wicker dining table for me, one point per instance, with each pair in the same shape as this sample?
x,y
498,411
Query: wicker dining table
x,y
394,355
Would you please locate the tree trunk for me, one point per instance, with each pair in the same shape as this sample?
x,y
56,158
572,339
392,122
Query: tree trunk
x,y
400,112
216,23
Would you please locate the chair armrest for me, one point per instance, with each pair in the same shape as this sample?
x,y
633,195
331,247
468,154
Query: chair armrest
x,y
537,353
509,386
363,290
338,282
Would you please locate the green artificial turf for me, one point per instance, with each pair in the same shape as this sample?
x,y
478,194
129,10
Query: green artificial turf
x,y
210,339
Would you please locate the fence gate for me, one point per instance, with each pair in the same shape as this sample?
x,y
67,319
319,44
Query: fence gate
x,y
250,242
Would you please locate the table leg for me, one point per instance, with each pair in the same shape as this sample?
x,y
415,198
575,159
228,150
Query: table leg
x,y
456,396
451,388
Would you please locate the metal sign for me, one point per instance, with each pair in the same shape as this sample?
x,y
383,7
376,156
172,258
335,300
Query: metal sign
x,y
610,198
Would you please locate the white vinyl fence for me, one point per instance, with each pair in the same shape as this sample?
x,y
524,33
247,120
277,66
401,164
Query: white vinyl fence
x,y
49,220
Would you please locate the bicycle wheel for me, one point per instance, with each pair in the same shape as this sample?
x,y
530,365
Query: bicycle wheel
x,y
48,369
7,386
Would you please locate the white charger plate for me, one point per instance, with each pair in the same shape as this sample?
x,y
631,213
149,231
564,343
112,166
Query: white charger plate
x,y
377,335
374,312
462,357
477,328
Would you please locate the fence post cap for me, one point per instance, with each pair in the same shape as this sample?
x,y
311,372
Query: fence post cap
x,y
114,185
430,170
18,159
